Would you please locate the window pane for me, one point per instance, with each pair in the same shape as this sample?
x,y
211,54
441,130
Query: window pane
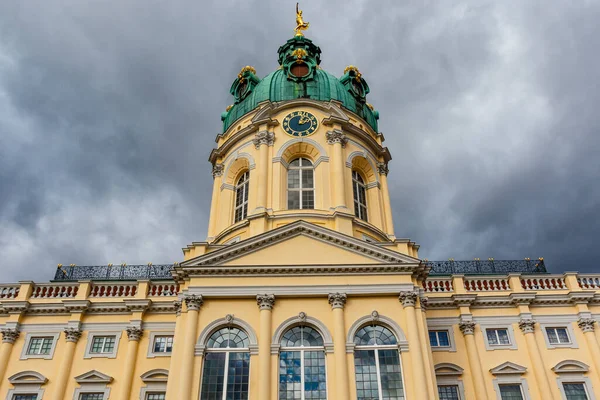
x,y
293,200
391,377
35,344
315,386
91,396
163,344
295,163
46,345
307,178
24,397
308,199
503,336
290,375
97,344
491,335
238,375
213,374
448,392
575,391
443,338
563,336
293,178
552,338
511,392
109,344
366,375
377,334
155,396
433,339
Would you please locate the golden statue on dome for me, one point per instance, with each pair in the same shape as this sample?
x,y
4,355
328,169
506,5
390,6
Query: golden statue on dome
x,y
300,24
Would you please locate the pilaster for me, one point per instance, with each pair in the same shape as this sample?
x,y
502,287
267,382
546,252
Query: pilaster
x,y
265,305
408,300
338,302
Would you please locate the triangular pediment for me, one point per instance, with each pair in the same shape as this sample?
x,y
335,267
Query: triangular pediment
x,y
93,376
508,368
301,243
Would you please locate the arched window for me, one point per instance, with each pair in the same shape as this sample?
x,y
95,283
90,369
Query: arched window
x,y
377,364
226,365
359,191
301,188
302,365
241,197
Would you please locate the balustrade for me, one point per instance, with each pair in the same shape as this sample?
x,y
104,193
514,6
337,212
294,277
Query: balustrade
x,y
113,290
485,284
52,291
543,282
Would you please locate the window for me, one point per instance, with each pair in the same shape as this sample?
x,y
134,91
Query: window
x,y
359,190
558,336
24,397
448,392
497,337
91,396
439,339
155,396
511,392
241,197
301,189
40,345
103,345
302,365
226,365
575,391
163,344
377,364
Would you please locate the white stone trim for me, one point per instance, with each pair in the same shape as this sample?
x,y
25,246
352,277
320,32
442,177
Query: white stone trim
x,y
450,377
382,320
153,335
366,155
92,382
508,380
511,336
90,340
570,331
234,157
27,382
291,142
447,328
572,371
92,388
29,335
200,347
153,383
297,320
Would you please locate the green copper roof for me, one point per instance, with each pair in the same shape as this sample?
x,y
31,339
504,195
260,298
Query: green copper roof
x,y
282,85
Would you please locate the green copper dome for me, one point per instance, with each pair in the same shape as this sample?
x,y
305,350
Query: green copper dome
x,y
299,76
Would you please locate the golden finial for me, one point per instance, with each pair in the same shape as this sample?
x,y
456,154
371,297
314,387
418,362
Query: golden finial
x,y
300,24
110,264
541,258
59,266
477,259
123,264
229,107
490,259
527,259
71,265
355,69
149,264
451,259
245,69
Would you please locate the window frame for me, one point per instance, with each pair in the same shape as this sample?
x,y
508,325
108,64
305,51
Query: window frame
x,y
570,332
300,189
90,341
151,353
459,389
512,345
244,185
31,335
574,381
510,384
439,347
79,392
356,187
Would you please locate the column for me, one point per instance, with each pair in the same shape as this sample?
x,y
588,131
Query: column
x,y
9,337
468,330
425,347
193,304
172,382
587,326
527,326
338,139
387,208
338,301
217,172
265,304
408,300
262,141
134,335
72,336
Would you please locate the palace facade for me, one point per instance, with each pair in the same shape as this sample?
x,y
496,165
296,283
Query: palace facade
x,y
302,290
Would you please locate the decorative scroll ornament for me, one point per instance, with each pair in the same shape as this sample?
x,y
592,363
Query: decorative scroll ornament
x,y
527,325
177,307
10,335
72,334
217,170
467,327
265,301
134,334
586,324
193,302
408,299
424,301
337,300
263,137
302,317
336,137
382,168
299,53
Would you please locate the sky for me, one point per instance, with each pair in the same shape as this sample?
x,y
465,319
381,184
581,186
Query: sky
x,y
109,110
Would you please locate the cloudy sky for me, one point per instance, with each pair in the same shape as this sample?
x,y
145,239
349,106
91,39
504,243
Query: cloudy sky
x,y
109,109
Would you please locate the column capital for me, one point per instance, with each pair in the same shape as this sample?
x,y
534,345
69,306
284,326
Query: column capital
x,y
177,307
72,334
217,169
586,324
382,168
336,136
134,334
423,300
193,302
527,325
408,299
337,300
467,327
265,301
10,335
263,137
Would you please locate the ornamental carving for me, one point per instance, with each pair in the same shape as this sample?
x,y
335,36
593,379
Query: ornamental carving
x,y
382,168
217,170
336,137
337,300
408,299
134,334
424,301
586,324
193,302
263,137
72,334
302,317
527,325
374,316
10,335
229,318
177,307
265,301
467,327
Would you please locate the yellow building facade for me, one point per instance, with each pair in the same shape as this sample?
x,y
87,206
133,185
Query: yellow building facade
x,y
302,290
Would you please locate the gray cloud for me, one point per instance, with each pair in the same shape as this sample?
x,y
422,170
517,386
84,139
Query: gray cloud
x,y
108,111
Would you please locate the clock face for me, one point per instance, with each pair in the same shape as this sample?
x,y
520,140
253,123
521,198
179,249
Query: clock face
x,y
300,123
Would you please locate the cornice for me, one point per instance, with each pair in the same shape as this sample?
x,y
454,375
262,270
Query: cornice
x,y
295,291
513,299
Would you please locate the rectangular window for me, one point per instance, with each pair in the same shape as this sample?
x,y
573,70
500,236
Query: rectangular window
x,y
155,396
102,345
163,344
558,336
511,392
575,391
448,392
24,397
498,336
40,345
91,396
439,339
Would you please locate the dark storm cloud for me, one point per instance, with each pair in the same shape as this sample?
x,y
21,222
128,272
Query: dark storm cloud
x,y
108,111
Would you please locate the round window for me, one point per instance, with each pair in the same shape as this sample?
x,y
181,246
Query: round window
x,y
299,70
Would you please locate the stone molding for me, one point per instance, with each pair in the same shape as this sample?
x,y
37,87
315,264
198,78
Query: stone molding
x,y
408,299
336,136
586,324
337,300
265,301
527,325
72,334
134,334
193,302
467,327
303,320
10,335
263,137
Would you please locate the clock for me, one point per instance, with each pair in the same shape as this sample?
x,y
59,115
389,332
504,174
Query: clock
x,y
300,123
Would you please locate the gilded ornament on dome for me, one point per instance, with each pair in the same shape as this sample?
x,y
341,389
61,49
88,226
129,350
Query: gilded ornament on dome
x,y
247,68
299,54
300,24
355,69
